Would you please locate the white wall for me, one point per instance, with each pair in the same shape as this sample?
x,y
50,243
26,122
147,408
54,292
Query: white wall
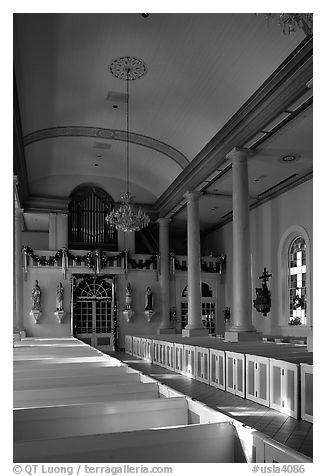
x,y
48,325
49,277
37,240
268,223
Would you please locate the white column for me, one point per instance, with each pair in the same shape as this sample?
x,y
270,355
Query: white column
x,y
194,326
52,231
241,312
62,230
165,325
18,281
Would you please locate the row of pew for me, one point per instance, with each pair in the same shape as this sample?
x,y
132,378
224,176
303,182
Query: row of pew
x,y
74,404
276,375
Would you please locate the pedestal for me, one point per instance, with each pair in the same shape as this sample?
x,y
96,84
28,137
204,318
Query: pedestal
x,y
149,315
60,315
128,313
36,315
191,332
310,343
242,336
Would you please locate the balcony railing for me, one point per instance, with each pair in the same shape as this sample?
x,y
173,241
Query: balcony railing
x,y
110,259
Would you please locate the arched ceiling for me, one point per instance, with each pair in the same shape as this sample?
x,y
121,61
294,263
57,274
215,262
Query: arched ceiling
x,y
201,69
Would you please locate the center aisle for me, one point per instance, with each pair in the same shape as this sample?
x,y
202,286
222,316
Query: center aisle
x,y
296,434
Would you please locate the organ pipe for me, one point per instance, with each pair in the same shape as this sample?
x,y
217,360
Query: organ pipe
x,y
87,225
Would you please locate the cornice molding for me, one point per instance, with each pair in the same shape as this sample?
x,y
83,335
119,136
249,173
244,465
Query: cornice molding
x,y
261,201
281,89
46,204
107,134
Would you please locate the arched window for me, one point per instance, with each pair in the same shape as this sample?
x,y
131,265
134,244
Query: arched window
x,y
297,269
207,307
294,284
88,229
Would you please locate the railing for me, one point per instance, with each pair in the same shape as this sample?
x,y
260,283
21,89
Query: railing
x,y
75,259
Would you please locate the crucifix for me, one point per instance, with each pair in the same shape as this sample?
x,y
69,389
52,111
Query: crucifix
x,y
265,276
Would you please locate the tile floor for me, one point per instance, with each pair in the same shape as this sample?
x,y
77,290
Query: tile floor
x,y
296,434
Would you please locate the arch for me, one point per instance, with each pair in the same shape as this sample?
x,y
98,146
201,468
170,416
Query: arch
x,y
287,239
108,134
206,291
94,288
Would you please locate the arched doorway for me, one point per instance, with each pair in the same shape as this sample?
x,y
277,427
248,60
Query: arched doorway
x,y
94,310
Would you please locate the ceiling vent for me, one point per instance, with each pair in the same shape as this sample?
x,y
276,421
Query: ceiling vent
x,y
117,98
102,145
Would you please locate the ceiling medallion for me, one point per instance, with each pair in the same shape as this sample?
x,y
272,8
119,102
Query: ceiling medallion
x,y
127,67
290,22
126,217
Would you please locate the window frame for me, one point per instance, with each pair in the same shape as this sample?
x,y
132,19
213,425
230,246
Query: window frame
x,y
286,241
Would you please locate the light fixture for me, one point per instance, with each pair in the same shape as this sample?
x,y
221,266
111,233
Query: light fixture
x,y
290,22
125,217
288,158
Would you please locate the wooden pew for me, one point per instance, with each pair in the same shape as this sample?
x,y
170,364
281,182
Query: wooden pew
x,y
85,394
209,443
109,378
73,371
97,418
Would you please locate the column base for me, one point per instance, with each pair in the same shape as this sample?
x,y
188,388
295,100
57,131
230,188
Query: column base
x,y
166,330
242,336
200,331
310,343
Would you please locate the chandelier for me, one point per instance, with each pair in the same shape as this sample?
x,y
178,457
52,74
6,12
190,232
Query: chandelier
x,y
126,217
290,22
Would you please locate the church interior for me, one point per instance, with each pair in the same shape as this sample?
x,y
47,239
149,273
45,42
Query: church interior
x,y
163,234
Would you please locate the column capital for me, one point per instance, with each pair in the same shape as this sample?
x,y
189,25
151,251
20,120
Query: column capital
x,y
192,195
239,154
164,221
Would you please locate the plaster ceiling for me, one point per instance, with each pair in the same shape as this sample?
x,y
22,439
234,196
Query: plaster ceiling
x,y
201,68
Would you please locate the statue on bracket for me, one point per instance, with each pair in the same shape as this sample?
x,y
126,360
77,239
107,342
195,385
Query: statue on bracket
x,y
59,312
59,298
263,302
128,312
36,310
149,303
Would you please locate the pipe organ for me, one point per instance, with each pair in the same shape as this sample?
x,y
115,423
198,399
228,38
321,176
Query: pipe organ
x,y
87,226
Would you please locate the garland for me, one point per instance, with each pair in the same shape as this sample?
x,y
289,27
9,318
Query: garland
x,y
153,259
97,260
94,260
175,265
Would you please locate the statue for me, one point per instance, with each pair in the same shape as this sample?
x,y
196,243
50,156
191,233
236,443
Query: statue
x,y
59,298
36,297
148,299
128,297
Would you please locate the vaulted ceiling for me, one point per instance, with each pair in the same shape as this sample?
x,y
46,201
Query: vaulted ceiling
x,y
213,82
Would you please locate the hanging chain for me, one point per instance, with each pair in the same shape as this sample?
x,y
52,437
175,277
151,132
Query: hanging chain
x,y
128,74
